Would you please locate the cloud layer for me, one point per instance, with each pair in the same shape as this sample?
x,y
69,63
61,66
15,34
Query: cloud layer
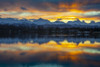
x,y
48,9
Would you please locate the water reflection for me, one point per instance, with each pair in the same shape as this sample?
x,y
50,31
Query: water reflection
x,y
50,52
45,39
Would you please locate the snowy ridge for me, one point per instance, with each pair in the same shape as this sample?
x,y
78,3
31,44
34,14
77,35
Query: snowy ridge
x,y
47,23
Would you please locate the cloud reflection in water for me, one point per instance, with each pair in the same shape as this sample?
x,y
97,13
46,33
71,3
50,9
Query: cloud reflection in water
x,y
64,52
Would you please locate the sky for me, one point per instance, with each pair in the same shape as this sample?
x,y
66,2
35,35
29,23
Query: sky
x,y
67,10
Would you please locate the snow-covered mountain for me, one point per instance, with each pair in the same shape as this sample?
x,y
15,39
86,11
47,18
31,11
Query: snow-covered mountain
x,y
8,21
47,23
77,22
41,21
15,22
57,22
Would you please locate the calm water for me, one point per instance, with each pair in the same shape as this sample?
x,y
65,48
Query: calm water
x,y
49,51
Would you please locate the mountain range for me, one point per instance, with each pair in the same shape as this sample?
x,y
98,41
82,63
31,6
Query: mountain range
x,y
47,23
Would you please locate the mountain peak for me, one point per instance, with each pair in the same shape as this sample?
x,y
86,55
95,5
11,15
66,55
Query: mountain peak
x,y
41,21
92,22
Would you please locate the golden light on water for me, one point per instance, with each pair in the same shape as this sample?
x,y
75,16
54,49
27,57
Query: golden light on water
x,y
63,45
63,51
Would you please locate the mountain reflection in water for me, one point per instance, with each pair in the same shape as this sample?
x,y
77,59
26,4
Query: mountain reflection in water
x,y
50,52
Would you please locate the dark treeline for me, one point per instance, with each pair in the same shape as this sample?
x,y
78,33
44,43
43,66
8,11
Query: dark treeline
x,y
41,30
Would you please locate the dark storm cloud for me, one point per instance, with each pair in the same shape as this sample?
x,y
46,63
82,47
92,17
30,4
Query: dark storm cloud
x,y
91,6
23,8
50,5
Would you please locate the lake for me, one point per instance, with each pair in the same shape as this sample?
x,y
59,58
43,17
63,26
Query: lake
x,y
49,51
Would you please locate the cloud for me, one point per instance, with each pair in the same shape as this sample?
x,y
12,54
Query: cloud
x,y
48,9
51,5
23,8
92,13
